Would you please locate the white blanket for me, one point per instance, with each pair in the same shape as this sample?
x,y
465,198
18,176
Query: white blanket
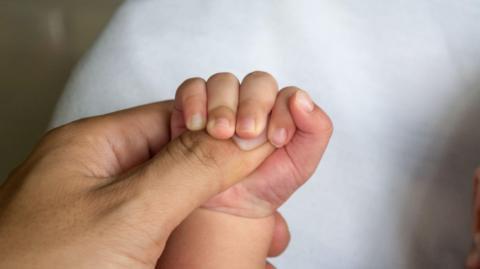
x,y
400,79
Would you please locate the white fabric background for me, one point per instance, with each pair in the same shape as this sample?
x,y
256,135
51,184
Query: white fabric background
x,y
400,79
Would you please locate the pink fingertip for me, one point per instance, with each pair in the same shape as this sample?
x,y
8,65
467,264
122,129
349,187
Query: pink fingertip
x,y
279,137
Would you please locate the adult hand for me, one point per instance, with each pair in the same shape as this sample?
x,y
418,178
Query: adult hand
x,y
106,192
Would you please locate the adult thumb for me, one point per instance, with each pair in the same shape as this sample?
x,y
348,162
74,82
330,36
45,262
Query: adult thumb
x,y
190,170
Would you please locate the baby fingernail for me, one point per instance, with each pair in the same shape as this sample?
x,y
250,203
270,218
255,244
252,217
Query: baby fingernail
x,y
279,137
249,144
247,125
304,101
196,122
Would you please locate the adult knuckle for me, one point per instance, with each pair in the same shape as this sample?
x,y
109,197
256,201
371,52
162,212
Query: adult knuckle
x,y
200,149
64,134
83,134
59,131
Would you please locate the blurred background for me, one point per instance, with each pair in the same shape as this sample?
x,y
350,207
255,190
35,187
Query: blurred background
x,y
40,42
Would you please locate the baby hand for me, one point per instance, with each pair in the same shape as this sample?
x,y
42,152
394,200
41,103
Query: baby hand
x,y
252,112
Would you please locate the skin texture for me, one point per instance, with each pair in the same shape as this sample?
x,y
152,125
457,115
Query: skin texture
x,y
245,212
107,192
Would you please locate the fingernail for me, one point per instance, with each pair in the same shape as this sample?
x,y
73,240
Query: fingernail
x,y
221,123
196,122
304,101
249,144
247,125
279,136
